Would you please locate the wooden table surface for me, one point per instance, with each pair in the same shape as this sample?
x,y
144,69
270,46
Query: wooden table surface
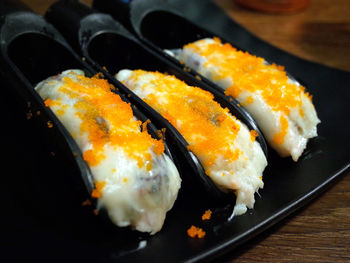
x,y
320,232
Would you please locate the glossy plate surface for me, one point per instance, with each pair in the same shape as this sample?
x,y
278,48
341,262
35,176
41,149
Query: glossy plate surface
x,y
39,221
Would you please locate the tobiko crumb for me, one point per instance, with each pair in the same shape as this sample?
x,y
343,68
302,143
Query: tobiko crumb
x,y
253,135
206,215
97,191
194,231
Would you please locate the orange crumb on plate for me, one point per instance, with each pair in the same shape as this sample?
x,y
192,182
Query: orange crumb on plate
x,y
194,231
49,124
206,215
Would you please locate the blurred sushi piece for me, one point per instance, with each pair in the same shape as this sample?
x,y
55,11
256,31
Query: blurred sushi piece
x,y
135,180
227,150
278,103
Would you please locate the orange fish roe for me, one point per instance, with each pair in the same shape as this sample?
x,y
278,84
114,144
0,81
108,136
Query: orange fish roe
x,y
48,102
195,232
49,124
279,137
92,158
207,126
207,215
248,101
144,125
97,191
250,73
253,135
107,119
60,112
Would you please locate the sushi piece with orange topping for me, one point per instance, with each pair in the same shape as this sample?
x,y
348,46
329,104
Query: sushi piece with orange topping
x,y
227,150
135,180
279,104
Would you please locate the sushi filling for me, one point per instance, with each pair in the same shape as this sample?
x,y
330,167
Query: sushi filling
x,y
225,147
280,105
135,181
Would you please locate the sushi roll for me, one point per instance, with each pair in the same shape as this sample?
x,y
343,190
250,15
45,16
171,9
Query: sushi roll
x,y
279,104
134,179
227,150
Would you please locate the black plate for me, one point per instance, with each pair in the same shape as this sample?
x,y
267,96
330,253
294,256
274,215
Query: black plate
x,y
42,236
